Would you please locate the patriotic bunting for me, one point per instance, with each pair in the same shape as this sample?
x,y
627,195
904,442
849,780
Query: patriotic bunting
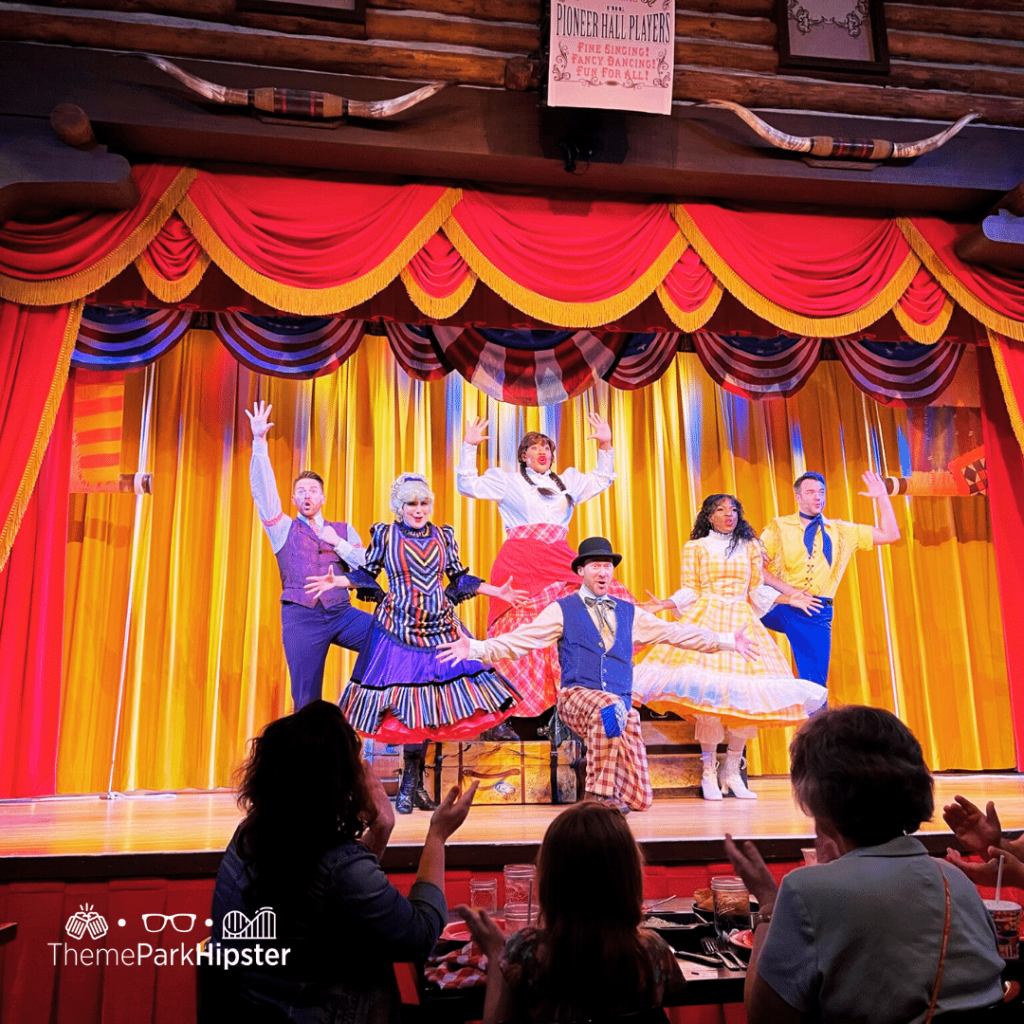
x,y
113,338
524,367
285,346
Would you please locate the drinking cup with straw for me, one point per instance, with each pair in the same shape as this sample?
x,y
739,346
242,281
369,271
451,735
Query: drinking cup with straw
x,y
1006,918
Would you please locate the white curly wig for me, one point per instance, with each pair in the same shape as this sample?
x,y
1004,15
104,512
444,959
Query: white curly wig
x,y
407,487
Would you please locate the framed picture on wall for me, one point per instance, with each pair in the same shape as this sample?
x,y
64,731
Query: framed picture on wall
x,y
840,36
326,10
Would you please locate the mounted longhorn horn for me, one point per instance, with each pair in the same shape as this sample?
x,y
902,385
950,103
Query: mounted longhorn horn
x,y
296,102
825,147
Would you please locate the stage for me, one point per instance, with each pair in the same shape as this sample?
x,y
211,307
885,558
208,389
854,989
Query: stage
x,y
184,834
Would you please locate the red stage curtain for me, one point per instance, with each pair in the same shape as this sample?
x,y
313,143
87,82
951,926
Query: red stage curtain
x,y
816,274
1005,464
575,262
32,626
438,279
997,300
924,309
173,263
690,293
67,259
311,246
35,353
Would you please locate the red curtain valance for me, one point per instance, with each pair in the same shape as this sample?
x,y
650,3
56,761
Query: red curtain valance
x,y
318,246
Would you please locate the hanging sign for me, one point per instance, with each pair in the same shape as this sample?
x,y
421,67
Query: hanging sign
x,y
612,56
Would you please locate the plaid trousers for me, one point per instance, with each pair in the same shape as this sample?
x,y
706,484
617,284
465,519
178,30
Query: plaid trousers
x,y
616,765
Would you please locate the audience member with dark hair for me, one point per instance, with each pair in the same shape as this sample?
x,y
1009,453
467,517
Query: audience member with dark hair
x,y
316,822
860,939
589,958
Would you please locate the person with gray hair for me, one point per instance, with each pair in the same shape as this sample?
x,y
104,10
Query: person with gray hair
x,y
878,931
400,691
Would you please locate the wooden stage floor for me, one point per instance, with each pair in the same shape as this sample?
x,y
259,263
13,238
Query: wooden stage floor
x,y
185,833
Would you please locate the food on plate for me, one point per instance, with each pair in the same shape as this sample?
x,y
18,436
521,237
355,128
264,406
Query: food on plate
x,y
744,939
702,900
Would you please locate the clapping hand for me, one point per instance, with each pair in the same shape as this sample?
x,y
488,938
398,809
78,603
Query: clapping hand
x,y
974,830
986,873
452,810
486,934
602,432
476,431
745,647
258,419
750,866
874,486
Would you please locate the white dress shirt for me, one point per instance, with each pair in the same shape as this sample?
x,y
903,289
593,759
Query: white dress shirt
x,y
268,504
519,504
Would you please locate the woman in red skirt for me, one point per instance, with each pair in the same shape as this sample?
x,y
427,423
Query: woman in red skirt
x,y
536,506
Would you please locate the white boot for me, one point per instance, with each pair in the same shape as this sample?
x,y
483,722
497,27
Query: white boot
x,y
709,776
730,779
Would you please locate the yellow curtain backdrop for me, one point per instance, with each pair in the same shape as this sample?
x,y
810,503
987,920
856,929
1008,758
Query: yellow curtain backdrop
x,y
917,624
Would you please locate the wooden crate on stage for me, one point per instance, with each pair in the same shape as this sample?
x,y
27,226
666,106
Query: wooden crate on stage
x,y
386,761
673,757
523,772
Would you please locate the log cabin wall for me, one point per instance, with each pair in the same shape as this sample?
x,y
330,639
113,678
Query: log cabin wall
x,y
948,57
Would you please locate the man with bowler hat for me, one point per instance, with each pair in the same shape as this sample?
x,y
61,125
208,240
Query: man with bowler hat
x,y
595,634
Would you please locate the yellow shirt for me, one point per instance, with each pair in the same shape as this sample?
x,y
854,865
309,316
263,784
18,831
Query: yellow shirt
x,y
783,539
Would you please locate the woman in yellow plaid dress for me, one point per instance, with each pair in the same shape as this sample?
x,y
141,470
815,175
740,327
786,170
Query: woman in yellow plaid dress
x,y
723,590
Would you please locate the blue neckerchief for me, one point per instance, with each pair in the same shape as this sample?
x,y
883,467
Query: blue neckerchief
x,y
815,523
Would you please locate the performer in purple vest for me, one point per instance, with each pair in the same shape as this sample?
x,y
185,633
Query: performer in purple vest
x,y
595,634
308,545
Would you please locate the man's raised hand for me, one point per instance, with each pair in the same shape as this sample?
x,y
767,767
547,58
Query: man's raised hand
x,y
258,419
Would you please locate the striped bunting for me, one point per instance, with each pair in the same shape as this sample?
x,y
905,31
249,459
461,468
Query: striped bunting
x,y
901,373
529,367
758,367
115,338
294,347
645,358
416,352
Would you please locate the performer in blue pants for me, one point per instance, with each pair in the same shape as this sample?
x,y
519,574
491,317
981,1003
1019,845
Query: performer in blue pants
x,y
307,545
810,553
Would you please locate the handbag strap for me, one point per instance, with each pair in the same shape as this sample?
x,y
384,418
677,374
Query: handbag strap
x,y
942,954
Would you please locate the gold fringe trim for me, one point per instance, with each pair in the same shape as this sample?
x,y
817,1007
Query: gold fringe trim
x,y
438,307
980,310
1009,396
319,301
35,458
171,291
695,320
925,334
77,286
552,311
786,319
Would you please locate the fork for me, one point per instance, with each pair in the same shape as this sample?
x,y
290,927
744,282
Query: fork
x,y
711,948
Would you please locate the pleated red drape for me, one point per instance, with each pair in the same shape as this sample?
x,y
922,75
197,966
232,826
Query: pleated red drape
x,y
32,626
1005,463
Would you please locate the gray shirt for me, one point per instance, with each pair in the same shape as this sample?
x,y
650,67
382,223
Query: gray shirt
x,y
858,940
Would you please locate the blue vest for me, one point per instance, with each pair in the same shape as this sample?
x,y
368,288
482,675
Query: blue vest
x,y
302,555
582,654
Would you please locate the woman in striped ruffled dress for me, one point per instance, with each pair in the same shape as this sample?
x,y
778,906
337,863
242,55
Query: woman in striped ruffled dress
x,y
399,691
536,505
